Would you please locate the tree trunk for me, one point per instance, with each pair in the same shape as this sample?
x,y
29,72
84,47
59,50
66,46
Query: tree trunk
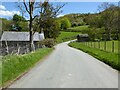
x,y
31,29
32,48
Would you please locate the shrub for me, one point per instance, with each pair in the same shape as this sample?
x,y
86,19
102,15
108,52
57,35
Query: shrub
x,y
49,42
65,23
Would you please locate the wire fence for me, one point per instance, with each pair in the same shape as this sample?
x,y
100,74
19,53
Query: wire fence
x,y
109,46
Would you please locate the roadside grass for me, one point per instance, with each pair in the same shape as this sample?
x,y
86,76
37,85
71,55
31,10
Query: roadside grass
x,y
13,65
66,36
0,70
101,45
107,57
78,28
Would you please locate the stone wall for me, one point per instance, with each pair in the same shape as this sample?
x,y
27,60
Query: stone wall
x,y
12,47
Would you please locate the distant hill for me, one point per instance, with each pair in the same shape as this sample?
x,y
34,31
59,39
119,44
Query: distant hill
x,y
77,19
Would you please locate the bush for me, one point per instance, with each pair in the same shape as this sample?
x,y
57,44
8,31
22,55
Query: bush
x,y
79,24
65,23
47,42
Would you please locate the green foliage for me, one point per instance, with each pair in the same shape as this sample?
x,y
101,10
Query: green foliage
x,y
13,66
95,33
95,21
55,29
65,23
49,42
78,28
76,19
66,36
18,18
24,26
107,57
111,23
51,28
6,24
47,20
107,18
19,23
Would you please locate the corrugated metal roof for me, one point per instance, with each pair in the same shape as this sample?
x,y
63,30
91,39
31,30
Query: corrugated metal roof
x,y
18,36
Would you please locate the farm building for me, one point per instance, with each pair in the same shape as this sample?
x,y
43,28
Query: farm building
x,y
18,42
82,37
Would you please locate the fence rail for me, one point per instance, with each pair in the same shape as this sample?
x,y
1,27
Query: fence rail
x,y
109,46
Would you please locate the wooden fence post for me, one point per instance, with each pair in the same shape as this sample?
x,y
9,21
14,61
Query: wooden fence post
x,y
112,46
99,44
94,44
105,45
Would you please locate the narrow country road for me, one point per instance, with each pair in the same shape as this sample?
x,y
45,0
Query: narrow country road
x,y
67,67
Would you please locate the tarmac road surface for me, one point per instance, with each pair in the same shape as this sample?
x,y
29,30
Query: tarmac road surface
x,y
67,67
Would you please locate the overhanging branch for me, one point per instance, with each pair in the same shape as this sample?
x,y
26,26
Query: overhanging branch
x,y
26,7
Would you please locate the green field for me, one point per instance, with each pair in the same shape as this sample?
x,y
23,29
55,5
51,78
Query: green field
x,y
78,28
101,45
13,65
107,57
66,36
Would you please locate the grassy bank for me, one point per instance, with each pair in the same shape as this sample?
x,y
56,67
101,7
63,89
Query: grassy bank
x,y
13,66
66,36
107,57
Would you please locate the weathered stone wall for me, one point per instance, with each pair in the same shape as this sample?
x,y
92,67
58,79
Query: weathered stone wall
x,y
11,47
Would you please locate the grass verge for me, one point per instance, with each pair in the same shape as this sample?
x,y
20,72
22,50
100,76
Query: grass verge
x,y
0,70
107,57
13,66
101,45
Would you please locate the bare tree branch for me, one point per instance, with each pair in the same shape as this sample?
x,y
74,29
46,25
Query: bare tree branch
x,y
26,7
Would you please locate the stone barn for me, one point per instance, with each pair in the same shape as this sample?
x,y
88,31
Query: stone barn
x,y
18,42
82,37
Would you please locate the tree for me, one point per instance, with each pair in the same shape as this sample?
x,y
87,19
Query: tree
x,y
65,23
115,23
21,8
108,17
47,19
18,18
17,21
6,24
30,8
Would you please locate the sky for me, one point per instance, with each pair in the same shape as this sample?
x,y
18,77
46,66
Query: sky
x,y
8,9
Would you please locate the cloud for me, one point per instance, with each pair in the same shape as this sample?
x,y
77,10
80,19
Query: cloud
x,y
6,13
2,7
60,15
